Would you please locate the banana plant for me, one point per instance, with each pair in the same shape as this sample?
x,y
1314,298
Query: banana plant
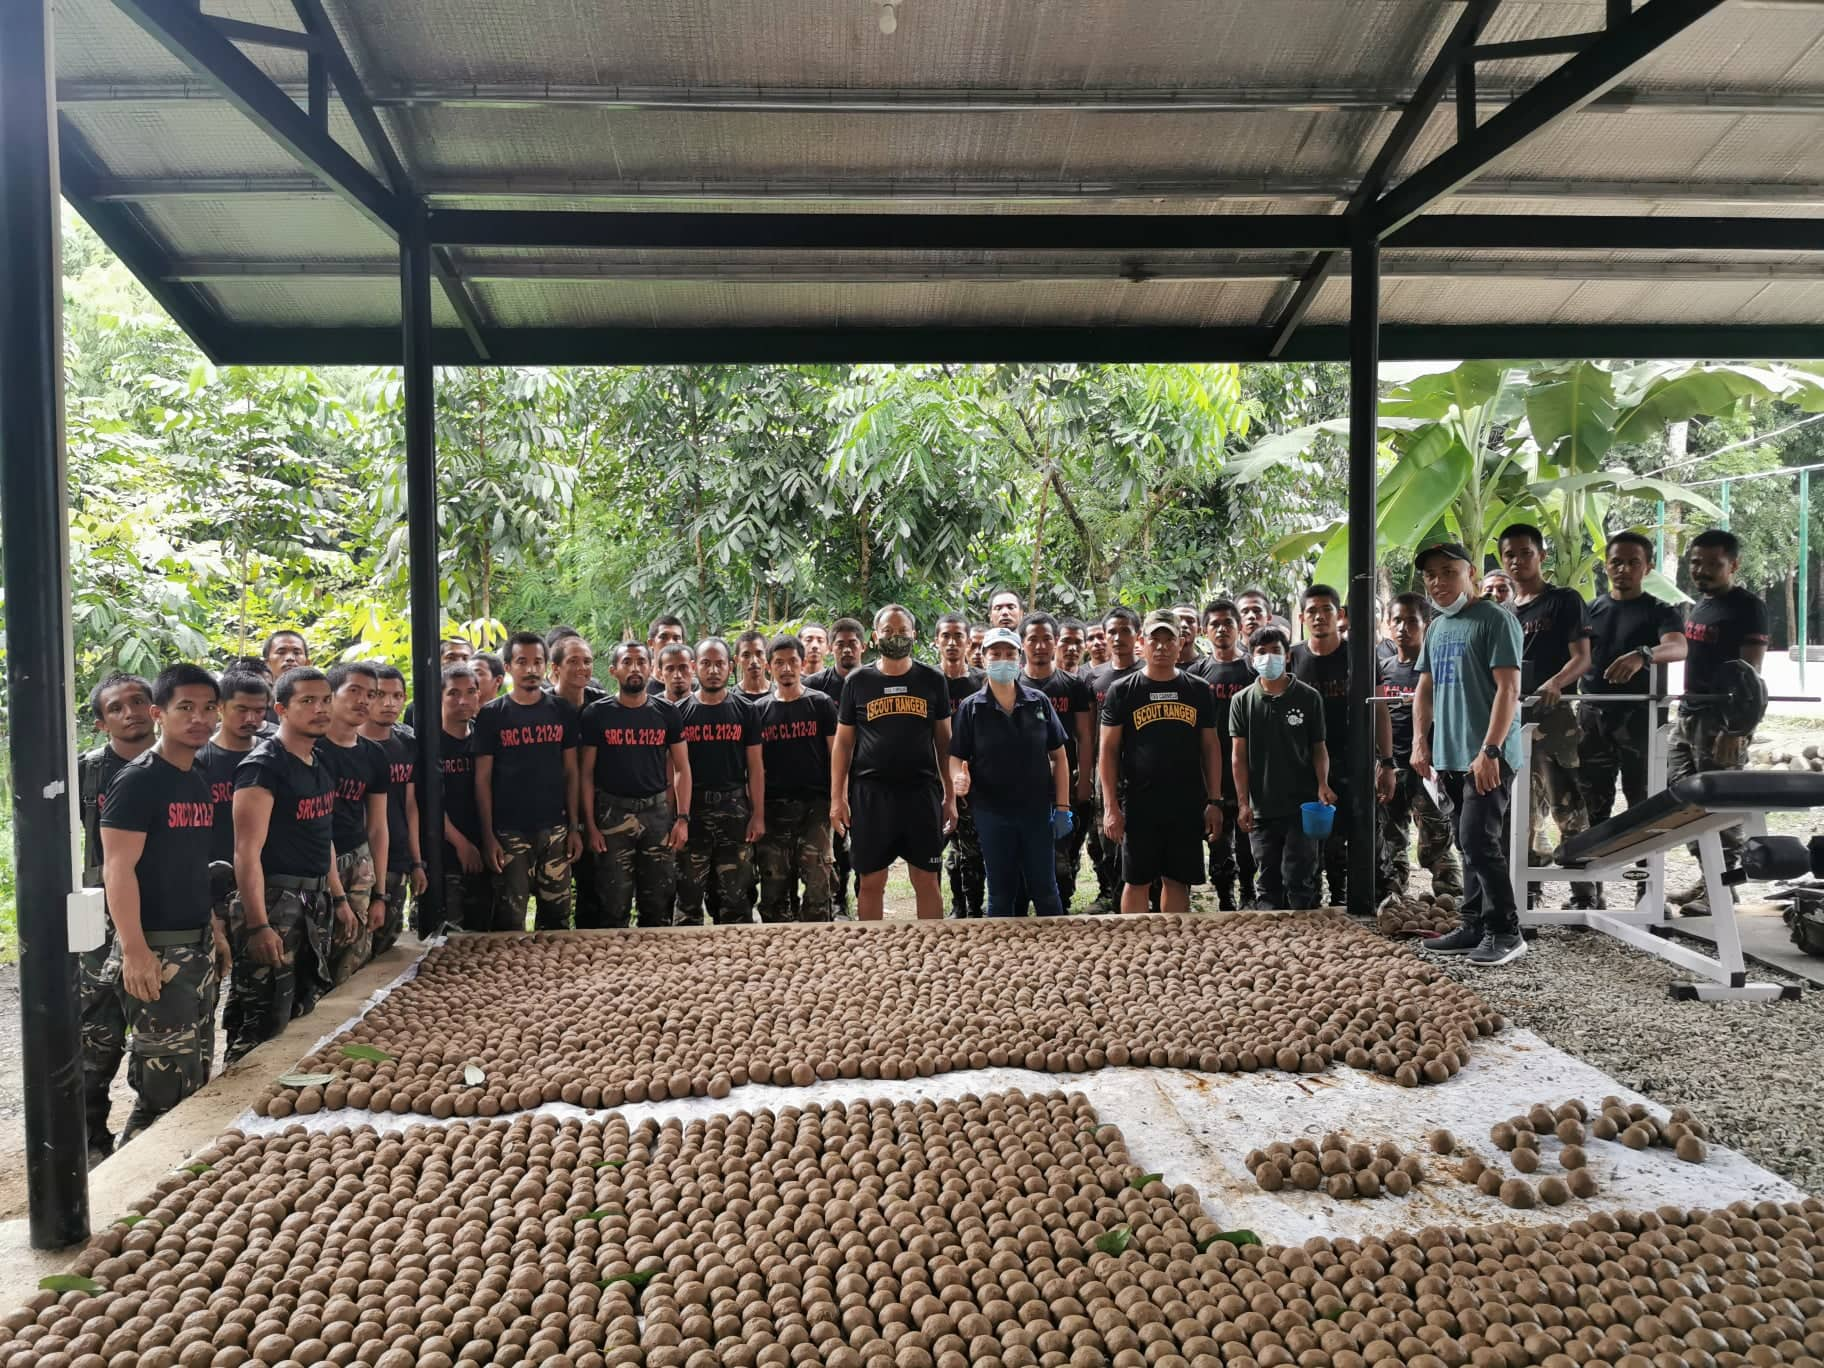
x,y
1467,450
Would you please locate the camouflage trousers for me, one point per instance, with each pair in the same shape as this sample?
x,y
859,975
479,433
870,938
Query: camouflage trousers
x,y
104,1034
538,867
795,849
963,863
1615,744
1232,862
357,870
1555,790
262,998
468,901
838,863
637,870
1411,806
172,1041
1694,751
717,863
397,882
1104,856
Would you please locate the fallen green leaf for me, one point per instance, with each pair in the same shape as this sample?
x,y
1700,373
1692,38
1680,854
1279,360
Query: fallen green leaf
x,y
1115,1241
197,1168
473,1076
612,1163
1139,1184
131,1219
373,1054
1238,1238
68,1282
636,1280
1333,1314
305,1080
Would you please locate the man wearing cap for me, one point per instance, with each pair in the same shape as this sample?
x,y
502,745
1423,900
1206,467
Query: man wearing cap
x,y
1010,751
1160,767
1466,730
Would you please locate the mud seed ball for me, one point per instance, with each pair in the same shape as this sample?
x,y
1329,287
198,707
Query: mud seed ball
x,y
789,1005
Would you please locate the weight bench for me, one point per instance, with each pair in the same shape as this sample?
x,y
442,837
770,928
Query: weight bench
x,y
1694,808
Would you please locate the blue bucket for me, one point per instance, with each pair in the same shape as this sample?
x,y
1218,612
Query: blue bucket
x,y
1318,819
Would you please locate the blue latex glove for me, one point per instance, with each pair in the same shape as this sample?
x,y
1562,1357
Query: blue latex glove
x,y
1063,822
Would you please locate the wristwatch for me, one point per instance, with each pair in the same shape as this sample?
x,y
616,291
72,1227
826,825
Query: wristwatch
x,y
1646,654
1492,752
1384,761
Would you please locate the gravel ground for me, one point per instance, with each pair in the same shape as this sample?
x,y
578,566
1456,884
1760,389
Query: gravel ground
x,y
1752,1071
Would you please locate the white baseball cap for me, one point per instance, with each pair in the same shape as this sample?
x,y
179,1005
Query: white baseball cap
x,y
1001,636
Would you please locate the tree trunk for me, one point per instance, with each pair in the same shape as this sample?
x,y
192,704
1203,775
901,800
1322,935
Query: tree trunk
x,y
1092,557
1038,546
487,581
867,553
1792,609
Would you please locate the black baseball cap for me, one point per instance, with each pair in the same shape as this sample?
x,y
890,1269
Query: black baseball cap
x,y
1455,550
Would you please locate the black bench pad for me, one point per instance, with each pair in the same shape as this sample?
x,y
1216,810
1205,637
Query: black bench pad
x,y
1690,798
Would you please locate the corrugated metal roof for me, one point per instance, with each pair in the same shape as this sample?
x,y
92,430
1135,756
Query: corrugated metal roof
x,y
985,106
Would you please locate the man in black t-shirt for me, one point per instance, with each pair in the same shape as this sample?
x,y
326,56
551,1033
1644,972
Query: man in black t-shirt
x,y
889,773
816,639
1555,646
1004,608
155,838
1095,648
1322,661
1280,759
122,708
797,732
1397,676
404,855
528,793
677,670
359,828
1075,706
1227,671
1120,628
963,853
750,660
246,696
846,638
468,892
289,911
1159,758
728,795
635,772
1631,633
1073,641
1725,623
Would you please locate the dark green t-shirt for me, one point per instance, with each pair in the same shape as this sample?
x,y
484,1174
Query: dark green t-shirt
x,y
1281,731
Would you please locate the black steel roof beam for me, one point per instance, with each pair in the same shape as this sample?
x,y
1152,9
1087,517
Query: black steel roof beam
x,y
127,238
380,147
1007,343
194,40
1550,46
1573,85
559,228
1432,85
262,35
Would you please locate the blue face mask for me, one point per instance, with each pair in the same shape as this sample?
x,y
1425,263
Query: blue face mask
x,y
1003,671
1269,665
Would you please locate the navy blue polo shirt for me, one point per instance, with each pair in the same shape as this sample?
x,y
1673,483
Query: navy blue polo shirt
x,y
1009,754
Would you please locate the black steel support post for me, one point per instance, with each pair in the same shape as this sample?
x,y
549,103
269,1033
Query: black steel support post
x,y
1364,373
421,529
38,652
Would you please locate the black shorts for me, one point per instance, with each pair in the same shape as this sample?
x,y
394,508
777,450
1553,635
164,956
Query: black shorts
x,y
889,822
1163,841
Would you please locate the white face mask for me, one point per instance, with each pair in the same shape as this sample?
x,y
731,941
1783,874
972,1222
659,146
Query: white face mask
x,y
1452,608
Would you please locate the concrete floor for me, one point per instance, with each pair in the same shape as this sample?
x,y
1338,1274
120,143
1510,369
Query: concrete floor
x,y
1765,937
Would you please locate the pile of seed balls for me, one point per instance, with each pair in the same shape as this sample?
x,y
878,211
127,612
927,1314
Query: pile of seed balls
x,y
1006,1231
1343,1168
1422,914
493,1024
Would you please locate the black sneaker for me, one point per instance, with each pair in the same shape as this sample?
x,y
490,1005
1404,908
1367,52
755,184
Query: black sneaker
x,y
1497,950
1458,942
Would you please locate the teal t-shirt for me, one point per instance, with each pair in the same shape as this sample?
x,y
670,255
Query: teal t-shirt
x,y
1461,654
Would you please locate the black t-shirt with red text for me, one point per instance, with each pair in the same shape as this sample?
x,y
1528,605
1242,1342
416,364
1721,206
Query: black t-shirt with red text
x,y
360,771
173,809
1717,628
303,801
401,751
527,742
1070,699
1226,679
456,760
631,745
218,764
1550,626
1396,678
718,735
795,746
1329,675
895,718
